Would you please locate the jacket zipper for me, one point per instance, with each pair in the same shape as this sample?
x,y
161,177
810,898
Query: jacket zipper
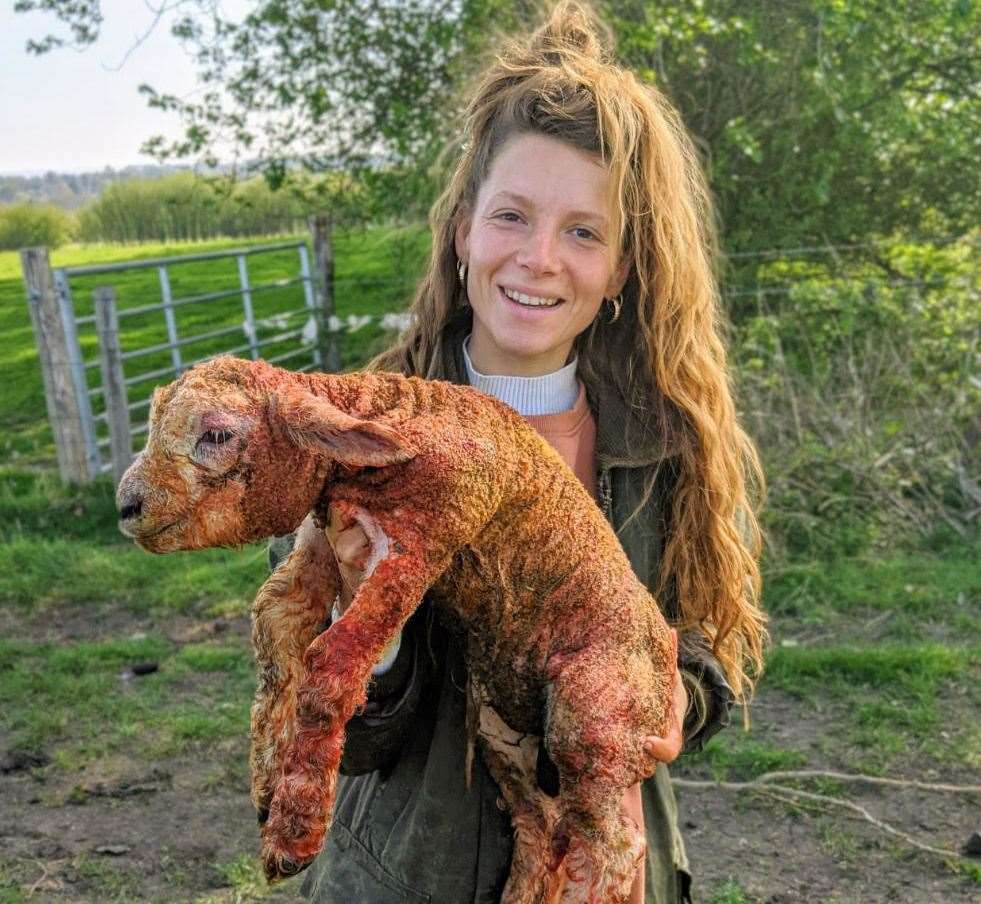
x,y
604,490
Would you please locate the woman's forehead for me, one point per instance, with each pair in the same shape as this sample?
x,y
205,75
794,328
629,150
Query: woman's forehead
x,y
539,171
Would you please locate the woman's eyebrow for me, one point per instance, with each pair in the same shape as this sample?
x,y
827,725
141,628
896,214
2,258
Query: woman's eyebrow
x,y
527,202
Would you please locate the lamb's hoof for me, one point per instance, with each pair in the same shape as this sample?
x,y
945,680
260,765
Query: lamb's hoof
x,y
277,868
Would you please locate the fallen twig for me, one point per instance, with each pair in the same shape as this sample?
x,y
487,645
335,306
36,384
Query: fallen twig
x,y
768,784
865,779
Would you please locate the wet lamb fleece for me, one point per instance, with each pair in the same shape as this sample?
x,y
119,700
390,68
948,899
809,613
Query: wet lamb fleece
x,y
406,830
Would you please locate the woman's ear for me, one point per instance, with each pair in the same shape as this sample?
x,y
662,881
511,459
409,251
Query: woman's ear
x,y
618,280
461,237
312,421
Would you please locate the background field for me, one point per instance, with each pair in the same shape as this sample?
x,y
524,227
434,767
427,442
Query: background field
x,y
122,786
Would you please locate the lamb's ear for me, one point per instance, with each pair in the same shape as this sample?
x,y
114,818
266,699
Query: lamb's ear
x,y
311,420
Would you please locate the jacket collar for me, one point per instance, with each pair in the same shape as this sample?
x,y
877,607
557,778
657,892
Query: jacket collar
x,y
626,437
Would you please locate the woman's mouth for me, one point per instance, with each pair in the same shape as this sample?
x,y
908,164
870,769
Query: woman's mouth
x,y
529,302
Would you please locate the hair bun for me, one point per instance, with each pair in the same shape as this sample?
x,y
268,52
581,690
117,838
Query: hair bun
x,y
571,26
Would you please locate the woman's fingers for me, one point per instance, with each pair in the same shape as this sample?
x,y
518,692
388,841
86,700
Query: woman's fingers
x,y
351,548
666,749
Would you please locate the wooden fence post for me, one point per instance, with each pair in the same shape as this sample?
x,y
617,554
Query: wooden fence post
x,y
56,369
323,256
113,385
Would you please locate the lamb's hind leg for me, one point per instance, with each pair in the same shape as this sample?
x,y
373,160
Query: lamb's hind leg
x,y
338,666
601,711
289,611
511,759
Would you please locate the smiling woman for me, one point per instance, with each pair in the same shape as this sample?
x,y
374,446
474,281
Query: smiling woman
x,y
575,183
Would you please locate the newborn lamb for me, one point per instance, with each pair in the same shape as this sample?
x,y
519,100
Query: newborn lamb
x,y
458,494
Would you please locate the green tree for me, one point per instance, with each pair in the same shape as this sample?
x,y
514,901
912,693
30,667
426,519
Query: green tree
x,y
821,120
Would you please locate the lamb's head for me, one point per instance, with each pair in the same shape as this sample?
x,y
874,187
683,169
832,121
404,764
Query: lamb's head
x,y
239,451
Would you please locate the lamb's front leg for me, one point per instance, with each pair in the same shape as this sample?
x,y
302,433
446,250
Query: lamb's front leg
x,y
338,667
288,613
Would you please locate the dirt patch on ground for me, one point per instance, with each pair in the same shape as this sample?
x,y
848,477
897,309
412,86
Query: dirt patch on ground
x,y
74,624
163,833
779,853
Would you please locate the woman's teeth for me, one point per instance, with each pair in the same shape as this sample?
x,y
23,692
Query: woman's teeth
x,y
531,300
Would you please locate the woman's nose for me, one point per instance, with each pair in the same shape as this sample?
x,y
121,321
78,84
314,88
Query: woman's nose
x,y
538,253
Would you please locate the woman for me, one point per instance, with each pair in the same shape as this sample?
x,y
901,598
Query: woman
x,y
571,275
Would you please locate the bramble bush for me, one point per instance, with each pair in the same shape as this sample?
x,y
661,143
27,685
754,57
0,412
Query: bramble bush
x,y
858,382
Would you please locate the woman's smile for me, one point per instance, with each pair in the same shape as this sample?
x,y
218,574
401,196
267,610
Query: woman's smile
x,y
528,299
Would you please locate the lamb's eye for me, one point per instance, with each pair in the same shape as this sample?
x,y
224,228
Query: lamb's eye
x,y
215,437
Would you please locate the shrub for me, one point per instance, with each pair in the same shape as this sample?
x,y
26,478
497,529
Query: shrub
x,y
856,382
28,224
185,207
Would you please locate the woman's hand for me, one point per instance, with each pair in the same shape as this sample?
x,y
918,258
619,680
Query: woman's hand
x,y
666,749
351,548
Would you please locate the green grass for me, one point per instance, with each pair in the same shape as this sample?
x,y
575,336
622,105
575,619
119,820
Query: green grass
x,y
908,672
736,756
901,590
77,702
730,892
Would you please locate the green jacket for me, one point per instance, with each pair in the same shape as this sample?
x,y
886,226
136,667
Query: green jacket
x,y
406,830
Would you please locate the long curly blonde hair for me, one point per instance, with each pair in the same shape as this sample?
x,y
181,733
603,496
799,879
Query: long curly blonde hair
x,y
665,353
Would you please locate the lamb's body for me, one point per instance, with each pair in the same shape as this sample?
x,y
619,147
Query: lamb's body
x,y
563,641
536,571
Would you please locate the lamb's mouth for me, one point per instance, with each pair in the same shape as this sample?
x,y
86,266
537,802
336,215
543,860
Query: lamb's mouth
x,y
141,536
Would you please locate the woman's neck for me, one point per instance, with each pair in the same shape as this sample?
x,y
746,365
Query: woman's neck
x,y
529,396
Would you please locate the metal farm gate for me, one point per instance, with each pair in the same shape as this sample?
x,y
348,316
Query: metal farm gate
x,y
104,345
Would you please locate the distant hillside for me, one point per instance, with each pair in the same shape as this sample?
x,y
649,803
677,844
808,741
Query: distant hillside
x,y
72,190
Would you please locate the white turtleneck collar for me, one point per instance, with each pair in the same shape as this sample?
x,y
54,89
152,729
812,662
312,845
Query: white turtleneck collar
x,y
529,396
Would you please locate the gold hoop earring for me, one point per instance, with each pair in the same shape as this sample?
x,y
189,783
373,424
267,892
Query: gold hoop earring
x,y
616,302
462,271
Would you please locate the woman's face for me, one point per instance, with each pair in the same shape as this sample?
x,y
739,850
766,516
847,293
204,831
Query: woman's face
x,y
539,254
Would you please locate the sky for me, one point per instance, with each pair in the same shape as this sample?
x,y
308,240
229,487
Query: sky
x,y
70,111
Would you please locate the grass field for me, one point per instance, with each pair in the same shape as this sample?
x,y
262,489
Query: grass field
x,y
122,786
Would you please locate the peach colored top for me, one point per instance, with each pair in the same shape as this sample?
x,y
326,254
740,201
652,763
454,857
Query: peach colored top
x,y
572,434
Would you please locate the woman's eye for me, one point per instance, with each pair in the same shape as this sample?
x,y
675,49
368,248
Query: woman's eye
x,y
583,233
510,213
216,437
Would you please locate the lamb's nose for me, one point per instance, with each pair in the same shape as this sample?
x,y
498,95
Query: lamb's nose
x,y
130,506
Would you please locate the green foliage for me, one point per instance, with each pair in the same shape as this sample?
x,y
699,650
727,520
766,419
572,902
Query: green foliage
x,y
303,85
27,225
730,892
184,207
822,120
855,378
